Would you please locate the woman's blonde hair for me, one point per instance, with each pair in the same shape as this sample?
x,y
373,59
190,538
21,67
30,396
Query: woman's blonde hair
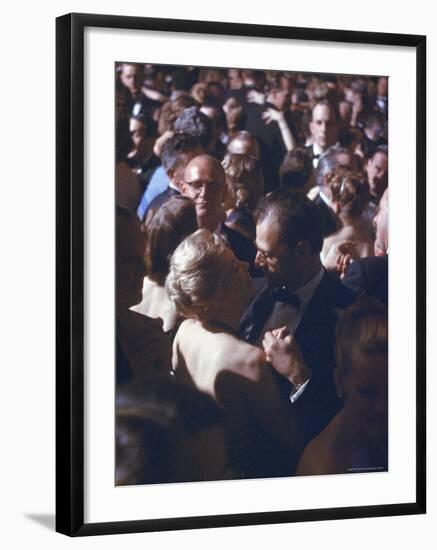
x,y
197,274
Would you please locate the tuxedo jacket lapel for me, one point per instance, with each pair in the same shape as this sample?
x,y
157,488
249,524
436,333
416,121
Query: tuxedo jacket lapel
x,y
258,312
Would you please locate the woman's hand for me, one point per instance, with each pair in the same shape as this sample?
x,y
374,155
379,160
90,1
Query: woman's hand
x,y
159,143
283,353
340,256
346,254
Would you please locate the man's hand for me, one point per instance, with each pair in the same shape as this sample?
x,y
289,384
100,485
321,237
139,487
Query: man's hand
x,y
253,96
272,114
283,353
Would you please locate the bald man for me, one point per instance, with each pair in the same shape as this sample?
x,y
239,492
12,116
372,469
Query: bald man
x,y
204,184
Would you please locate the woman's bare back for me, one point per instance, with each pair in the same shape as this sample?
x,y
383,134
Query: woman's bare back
x,y
237,376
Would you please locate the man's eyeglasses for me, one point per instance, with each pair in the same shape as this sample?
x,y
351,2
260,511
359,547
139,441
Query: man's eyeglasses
x,y
272,255
211,186
265,255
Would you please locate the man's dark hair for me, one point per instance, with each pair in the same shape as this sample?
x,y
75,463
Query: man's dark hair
x,y
173,221
295,169
326,103
149,125
359,86
181,80
370,118
174,147
297,217
371,152
220,121
152,419
192,121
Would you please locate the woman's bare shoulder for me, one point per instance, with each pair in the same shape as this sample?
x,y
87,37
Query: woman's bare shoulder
x,y
243,358
187,326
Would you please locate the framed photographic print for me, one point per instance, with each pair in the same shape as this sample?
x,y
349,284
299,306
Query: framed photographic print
x,y
239,341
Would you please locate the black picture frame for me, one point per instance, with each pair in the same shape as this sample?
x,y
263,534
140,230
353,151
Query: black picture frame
x,y
70,273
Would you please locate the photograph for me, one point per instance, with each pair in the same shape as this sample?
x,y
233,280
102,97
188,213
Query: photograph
x,y
233,348
251,273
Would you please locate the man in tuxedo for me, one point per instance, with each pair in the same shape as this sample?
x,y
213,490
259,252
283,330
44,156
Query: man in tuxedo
x,y
370,275
204,184
377,172
333,157
323,128
267,130
293,311
132,77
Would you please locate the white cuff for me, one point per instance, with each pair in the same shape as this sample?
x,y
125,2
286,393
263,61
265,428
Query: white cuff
x,y
294,396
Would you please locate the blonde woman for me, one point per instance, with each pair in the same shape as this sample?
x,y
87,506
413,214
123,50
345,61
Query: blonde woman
x,y
211,288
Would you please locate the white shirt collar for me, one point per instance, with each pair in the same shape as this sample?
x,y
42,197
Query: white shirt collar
x,y
317,150
173,186
326,199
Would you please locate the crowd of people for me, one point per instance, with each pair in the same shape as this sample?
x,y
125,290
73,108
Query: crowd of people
x,y
251,274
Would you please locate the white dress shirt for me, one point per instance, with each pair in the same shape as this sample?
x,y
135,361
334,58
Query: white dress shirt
x,y
316,151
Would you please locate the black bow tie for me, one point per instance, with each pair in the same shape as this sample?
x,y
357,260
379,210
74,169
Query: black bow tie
x,y
256,316
281,295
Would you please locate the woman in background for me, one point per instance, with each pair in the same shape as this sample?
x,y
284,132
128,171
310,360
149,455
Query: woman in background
x,y
245,187
356,438
173,221
349,195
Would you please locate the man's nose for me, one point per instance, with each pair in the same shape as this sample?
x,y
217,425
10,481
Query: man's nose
x,y
259,260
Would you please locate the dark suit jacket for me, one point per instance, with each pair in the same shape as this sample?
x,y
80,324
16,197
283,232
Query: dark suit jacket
x,y
330,223
242,247
160,199
369,276
315,336
271,143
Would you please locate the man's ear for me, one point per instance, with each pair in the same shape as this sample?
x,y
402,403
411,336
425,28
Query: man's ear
x,y
170,173
303,248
